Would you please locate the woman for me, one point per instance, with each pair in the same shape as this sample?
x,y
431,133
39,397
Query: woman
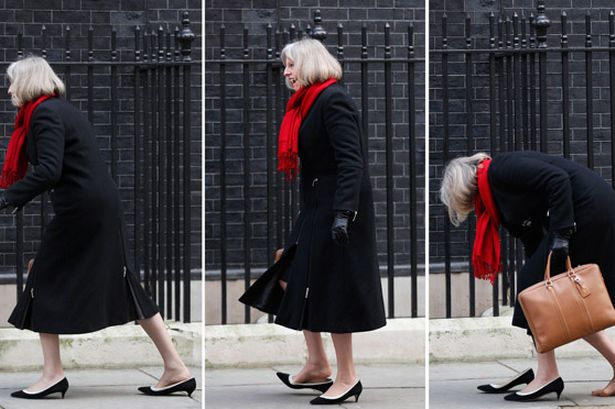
x,y
552,205
333,282
80,280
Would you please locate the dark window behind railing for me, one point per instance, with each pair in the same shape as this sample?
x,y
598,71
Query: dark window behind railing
x,y
250,207
509,91
141,111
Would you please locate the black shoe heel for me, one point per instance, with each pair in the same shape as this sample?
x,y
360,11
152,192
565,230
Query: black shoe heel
x,y
355,391
556,385
524,377
319,386
59,387
188,386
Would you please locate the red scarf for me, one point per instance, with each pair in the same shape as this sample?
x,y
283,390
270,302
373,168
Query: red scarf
x,y
16,161
486,252
297,108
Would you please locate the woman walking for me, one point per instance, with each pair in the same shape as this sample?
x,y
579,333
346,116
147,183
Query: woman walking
x,y
80,280
332,283
552,205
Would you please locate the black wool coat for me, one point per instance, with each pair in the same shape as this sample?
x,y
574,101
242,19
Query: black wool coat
x,y
333,288
538,195
81,280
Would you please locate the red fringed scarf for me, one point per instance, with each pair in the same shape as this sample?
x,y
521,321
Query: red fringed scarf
x,y
486,252
16,162
297,108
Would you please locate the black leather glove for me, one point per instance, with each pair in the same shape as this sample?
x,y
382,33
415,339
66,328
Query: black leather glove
x,y
560,247
339,229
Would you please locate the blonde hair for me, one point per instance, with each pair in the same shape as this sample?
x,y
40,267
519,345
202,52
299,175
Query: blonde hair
x,y
459,186
31,78
313,63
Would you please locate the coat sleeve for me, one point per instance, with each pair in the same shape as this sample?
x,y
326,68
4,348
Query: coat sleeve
x,y
345,138
47,130
527,175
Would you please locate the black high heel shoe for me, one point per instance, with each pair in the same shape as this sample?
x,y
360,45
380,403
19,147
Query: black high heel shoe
x,y
556,385
188,386
61,386
319,386
526,377
355,391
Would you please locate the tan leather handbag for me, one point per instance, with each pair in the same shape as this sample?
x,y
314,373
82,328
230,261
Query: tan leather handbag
x,y
568,306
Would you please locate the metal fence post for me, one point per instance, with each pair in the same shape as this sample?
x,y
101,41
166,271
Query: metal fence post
x,y
542,23
186,37
612,90
317,31
222,176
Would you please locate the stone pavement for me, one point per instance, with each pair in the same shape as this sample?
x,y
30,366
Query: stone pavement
x,y
453,384
390,386
98,389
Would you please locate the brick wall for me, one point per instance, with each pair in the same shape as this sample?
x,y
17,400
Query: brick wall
x,y
28,17
255,15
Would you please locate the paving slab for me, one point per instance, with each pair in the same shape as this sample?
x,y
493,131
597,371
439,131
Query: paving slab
x,y
390,386
453,384
462,394
99,388
273,396
475,370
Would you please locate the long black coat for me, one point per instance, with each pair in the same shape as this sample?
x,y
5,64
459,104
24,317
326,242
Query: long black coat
x,y
80,281
333,288
538,195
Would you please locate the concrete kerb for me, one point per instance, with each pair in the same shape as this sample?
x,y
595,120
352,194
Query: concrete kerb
x,y
122,346
402,340
490,338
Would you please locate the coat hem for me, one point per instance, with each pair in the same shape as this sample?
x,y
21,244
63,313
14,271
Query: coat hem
x,y
79,331
331,330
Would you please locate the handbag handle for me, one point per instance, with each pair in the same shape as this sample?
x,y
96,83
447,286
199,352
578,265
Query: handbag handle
x,y
548,268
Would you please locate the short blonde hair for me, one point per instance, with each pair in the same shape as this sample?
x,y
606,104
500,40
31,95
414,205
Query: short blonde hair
x,y
31,78
313,63
459,186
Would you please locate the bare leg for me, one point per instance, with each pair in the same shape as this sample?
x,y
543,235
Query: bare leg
x,y
52,363
346,374
174,368
605,346
546,371
317,367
